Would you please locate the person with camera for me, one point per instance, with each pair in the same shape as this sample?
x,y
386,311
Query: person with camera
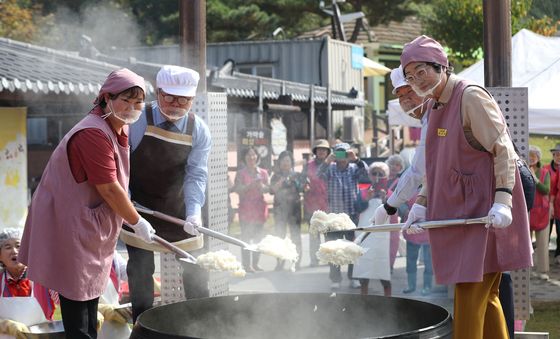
x,y
342,171
315,189
286,187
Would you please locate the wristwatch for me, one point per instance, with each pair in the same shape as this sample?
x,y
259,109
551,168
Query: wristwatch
x,y
390,209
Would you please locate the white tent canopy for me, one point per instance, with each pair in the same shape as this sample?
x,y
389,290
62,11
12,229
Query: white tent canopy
x,y
535,65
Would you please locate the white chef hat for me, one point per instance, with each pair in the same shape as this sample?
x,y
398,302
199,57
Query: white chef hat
x,y
397,79
176,80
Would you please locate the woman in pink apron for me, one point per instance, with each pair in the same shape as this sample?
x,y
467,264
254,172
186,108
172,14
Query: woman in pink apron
x,y
22,302
80,204
540,213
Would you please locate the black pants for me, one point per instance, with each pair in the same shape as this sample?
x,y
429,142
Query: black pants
x,y
140,271
334,270
506,299
79,318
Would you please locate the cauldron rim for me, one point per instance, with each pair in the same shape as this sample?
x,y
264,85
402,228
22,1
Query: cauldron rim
x,y
408,334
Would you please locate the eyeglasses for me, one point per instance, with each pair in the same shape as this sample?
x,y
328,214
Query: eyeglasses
x,y
418,75
377,174
168,98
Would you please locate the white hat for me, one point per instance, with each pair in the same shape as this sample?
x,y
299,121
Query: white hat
x,y
397,78
176,80
10,233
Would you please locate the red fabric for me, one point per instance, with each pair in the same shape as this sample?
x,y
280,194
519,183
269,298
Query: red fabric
x,y
316,198
554,190
92,157
538,216
252,207
414,133
115,280
20,288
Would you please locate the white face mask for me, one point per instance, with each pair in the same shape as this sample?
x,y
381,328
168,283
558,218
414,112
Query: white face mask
x,y
428,92
127,117
173,113
411,113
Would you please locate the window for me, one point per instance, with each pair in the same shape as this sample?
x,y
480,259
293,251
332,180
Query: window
x,y
37,131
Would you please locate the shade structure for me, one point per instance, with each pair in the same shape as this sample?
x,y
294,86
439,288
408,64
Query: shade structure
x,y
372,68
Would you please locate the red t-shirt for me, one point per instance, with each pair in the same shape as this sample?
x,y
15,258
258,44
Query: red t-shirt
x,y
92,157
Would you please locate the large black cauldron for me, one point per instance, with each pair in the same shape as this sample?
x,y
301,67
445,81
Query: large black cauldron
x,y
295,316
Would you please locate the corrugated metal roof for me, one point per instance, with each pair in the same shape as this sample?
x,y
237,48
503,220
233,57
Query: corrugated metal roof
x,y
246,86
25,67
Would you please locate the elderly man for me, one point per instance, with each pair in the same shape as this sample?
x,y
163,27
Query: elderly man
x,y
341,171
170,147
470,172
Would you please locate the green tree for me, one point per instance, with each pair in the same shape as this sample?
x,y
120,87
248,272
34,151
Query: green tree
x,y
458,24
17,20
546,8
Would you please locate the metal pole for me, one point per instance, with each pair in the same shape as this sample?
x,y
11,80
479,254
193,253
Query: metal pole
x,y
311,115
329,114
260,108
339,25
192,25
497,43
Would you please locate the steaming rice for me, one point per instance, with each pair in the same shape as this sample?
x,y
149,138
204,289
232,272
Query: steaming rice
x,y
339,252
221,260
322,222
283,249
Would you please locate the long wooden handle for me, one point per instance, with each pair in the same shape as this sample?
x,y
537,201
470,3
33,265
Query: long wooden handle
x,y
423,224
204,230
181,253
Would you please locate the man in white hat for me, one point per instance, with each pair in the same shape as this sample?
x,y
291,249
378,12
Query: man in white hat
x,y
169,171
412,178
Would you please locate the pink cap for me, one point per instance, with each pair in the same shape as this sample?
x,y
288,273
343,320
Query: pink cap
x,y
423,49
120,80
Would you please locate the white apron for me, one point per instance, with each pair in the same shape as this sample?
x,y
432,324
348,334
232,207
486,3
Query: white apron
x,y
374,264
25,310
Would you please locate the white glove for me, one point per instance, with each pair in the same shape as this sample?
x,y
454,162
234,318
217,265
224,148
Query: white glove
x,y
191,224
143,230
380,217
417,214
499,216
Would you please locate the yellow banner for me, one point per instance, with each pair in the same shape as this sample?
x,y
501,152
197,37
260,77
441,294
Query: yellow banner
x,y
13,166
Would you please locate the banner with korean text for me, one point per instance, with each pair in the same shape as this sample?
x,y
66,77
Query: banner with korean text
x,y
13,166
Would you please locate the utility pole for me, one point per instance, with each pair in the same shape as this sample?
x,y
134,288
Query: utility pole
x,y
192,25
497,43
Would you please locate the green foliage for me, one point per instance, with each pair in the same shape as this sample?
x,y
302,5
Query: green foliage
x,y
381,11
548,8
545,143
17,20
458,24
545,318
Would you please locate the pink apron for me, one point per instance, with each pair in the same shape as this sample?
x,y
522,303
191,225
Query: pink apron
x,y
461,184
70,233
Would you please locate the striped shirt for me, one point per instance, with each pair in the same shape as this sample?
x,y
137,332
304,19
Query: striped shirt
x,y
342,185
